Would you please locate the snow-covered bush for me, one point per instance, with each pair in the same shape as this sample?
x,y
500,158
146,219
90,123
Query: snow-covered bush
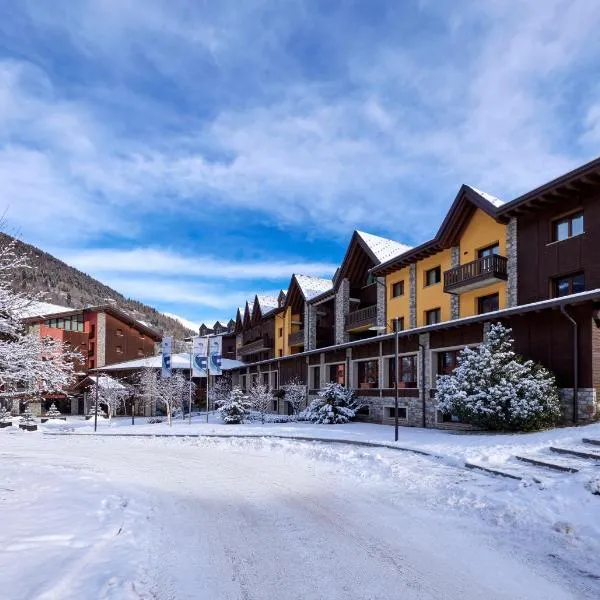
x,y
28,418
593,485
494,388
154,420
53,412
334,404
295,393
261,399
101,412
234,408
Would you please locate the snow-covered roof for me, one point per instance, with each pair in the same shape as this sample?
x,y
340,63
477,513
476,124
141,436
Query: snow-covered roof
x,y
40,309
383,248
108,383
267,304
178,361
491,199
313,286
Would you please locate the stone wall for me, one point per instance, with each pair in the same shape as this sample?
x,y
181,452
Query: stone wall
x,y
511,255
342,307
310,326
381,302
101,340
412,298
587,401
455,298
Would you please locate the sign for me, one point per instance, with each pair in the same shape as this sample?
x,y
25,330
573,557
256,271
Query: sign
x,y
215,355
199,356
167,344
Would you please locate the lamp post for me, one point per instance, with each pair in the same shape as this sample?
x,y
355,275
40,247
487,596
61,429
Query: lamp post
x,y
382,329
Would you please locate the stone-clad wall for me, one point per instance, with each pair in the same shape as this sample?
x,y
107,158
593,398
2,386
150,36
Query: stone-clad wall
x,y
455,298
342,307
511,251
412,299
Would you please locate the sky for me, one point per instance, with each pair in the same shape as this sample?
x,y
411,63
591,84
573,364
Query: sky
x,y
191,153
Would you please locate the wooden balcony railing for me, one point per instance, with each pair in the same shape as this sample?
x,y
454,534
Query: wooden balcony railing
x,y
362,317
296,338
260,345
252,334
476,273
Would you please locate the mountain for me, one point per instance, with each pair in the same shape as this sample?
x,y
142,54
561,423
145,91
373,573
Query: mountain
x,y
185,322
60,284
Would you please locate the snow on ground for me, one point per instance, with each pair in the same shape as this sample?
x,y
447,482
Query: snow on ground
x,y
121,517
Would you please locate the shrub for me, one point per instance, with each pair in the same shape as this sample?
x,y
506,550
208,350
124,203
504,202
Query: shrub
x,y
334,404
234,408
495,389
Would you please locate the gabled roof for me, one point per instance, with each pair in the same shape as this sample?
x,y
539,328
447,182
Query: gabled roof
x,y
267,304
467,200
383,248
303,288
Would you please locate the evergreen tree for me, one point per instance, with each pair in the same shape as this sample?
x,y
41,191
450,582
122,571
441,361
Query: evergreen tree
x,y
334,404
53,413
5,415
234,408
28,418
494,388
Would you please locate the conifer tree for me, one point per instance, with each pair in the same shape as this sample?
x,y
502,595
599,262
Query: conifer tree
x,y
234,408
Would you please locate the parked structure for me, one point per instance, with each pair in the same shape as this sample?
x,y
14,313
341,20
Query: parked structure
x,y
531,263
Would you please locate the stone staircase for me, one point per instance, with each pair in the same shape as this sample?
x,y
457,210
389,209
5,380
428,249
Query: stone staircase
x,y
552,463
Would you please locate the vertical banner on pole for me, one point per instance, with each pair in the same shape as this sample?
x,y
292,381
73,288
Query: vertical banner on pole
x,y
216,354
200,356
167,344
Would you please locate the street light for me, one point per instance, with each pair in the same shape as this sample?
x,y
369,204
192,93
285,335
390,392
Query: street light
x,y
382,328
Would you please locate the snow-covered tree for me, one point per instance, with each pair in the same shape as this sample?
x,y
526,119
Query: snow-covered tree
x,y
494,388
28,418
334,404
111,394
234,408
295,393
261,399
220,391
5,415
53,412
168,393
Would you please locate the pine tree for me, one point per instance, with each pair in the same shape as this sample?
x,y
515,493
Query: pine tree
x,y
5,415
53,413
494,388
333,405
28,418
234,408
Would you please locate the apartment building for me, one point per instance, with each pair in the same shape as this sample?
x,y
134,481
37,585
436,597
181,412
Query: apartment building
x,y
531,263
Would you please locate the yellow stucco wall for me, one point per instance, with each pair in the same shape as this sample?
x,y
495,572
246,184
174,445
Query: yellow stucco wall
x,y
433,296
281,341
397,307
481,231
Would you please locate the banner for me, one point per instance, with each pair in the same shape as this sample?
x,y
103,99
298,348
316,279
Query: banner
x,y
215,355
199,356
167,344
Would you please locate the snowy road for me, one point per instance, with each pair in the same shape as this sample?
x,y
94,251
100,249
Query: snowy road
x,y
170,519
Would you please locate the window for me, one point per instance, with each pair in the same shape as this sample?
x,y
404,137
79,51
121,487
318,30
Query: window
x,y
398,289
93,330
447,361
488,251
119,333
315,378
433,276
280,352
92,349
275,380
140,352
433,316
390,412
275,406
399,323
265,379
337,374
571,284
368,374
567,227
407,365
486,304
119,349
280,332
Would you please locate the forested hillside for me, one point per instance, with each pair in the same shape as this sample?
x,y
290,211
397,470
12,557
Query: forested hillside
x,y
61,284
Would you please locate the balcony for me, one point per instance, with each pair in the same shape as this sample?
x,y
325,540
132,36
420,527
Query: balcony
x,y
296,338
252,335
476,274
361,319
262,344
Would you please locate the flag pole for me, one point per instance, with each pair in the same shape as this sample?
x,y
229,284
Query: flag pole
x,y
191,355
207,372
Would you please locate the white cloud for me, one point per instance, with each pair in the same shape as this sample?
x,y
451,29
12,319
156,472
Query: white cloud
x,y
157,261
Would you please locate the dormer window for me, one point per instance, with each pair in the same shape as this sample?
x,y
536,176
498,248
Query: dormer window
x,y
567,227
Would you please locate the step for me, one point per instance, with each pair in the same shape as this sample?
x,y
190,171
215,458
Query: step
x,y
489,471
547,465
590,441
575,452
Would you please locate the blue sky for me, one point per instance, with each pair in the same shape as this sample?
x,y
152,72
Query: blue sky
x,y
193,153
